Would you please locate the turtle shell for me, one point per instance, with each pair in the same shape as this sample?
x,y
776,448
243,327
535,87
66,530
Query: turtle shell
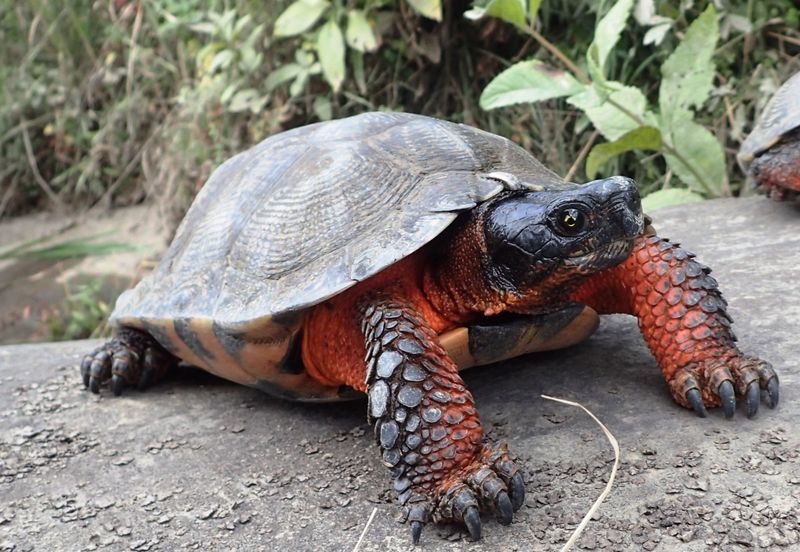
x,y
781,115
303,216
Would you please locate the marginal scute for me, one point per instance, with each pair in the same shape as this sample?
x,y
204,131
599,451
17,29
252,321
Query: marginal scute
x,y
781,115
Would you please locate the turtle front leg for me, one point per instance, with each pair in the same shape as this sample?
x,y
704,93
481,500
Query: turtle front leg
x,y
428,428
682,317
132,358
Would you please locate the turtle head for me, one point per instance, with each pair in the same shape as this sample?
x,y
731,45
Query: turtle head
x,y
540,242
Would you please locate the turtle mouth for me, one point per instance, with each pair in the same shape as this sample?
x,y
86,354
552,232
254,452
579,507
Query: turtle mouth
x,y
603,257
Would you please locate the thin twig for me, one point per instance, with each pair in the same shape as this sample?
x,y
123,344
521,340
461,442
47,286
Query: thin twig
x,y
26,139
583,153
611,439
137,24
6,199
789,39
364,532
562,57
24,124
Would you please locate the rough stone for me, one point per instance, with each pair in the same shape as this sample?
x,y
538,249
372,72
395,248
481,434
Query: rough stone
x,y
76,472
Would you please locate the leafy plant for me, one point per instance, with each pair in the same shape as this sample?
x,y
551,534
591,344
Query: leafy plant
x,y
65,249
83,314
325,46
622,112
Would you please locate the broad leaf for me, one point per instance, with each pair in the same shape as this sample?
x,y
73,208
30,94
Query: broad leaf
x,y
512,11
299,17
282,74
688,72
606,35
359,34
432,9
533,9
642,138
616,113
330,51
528,82
247,99
699,160
669,197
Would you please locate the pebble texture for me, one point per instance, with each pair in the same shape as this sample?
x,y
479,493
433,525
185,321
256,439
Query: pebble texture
x,y
196,463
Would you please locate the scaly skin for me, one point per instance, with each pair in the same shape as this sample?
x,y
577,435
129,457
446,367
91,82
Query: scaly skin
x,y
777,171
521,253
133,358
682,317
381,337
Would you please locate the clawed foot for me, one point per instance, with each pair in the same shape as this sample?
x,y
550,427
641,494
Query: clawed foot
x,y
131,359
716,382
491,483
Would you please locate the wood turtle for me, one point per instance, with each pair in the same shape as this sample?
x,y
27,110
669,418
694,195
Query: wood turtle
x,y
771,153
381,253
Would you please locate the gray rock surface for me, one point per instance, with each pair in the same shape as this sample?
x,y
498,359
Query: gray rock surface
x,y
198,463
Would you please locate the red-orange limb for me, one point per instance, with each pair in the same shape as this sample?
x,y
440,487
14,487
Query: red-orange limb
x,y
682,316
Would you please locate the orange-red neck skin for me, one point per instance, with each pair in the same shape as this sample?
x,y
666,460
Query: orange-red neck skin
x,y
449,283
333,345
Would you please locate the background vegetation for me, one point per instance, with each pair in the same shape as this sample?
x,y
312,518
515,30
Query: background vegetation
x,y
107,102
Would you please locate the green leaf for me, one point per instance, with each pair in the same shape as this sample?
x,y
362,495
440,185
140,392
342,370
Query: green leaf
x,y
66,249
528,82
614,110
330,51
299,17
669,197
606,35
204,27
282,74
642,138
323,108
359,34
688,73
699,162
247,99
432,9
533,9
512,11
221,60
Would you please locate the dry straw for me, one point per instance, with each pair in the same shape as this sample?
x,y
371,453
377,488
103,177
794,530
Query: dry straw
x,y
578,530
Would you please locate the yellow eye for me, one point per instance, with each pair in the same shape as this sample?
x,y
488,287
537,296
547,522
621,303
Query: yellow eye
x,y
571,221
570,218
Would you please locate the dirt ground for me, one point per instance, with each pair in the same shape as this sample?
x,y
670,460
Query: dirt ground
x,y
201,464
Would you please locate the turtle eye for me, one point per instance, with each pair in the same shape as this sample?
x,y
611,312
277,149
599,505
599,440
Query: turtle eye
x,y
570,222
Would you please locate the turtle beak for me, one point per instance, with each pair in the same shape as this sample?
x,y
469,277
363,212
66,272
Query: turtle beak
x,y
623,204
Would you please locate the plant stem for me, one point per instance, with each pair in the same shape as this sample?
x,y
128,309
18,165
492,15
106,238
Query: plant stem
x,y
562,57
580,75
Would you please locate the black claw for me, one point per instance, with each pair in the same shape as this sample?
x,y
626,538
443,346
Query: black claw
x,y
473,522
773,392
94,384
752,398
728,397
517,491
416,531
86,371
117,384
144,380
695,399
504,511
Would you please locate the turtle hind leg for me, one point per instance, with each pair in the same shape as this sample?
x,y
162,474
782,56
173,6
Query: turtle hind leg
x,y
133,358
